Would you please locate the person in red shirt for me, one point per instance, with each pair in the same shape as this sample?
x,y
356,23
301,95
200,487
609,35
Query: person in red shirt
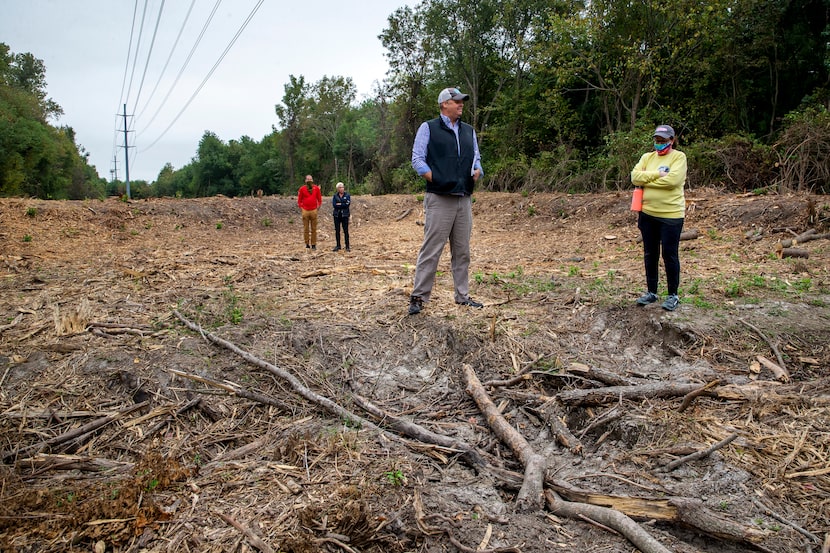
x,y
309,200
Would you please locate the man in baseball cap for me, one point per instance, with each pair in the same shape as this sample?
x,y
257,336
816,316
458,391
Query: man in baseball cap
x,y
445,153
452,94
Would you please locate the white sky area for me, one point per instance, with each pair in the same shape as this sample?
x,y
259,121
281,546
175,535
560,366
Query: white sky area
x,y
84,45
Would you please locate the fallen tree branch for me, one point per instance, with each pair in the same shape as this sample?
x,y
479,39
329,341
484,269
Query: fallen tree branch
x,y
608,394
329,405
690,512
691,396
77,433
408,428
593,373
767,511
563,434
779,372
187,406
609,517
404,214
806,236
234,389
700,454
530,497
254,540
298,387
768,341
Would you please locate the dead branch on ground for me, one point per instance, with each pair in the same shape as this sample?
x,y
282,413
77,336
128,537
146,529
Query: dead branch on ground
x,y
768,341
690,512
608,394
298,387
700,454
563,434
806,236
530,496
691,396
412,430
255,540
76,434
609,517
331,406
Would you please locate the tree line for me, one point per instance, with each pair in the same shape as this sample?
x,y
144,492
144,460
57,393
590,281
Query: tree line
x,y
564,95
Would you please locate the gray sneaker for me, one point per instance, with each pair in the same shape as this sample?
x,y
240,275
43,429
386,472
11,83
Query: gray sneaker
x,y
671,303
647,298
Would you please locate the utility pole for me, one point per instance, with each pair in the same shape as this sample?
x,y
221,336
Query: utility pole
x,y
126,153
114,170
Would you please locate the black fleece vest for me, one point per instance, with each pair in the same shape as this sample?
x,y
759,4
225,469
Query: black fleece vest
x,y
450,171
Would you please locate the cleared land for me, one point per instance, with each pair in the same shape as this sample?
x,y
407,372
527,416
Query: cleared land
x,y
255,427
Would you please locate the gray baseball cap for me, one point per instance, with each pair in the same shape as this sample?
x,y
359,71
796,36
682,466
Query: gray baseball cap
x,y
665,131
452,94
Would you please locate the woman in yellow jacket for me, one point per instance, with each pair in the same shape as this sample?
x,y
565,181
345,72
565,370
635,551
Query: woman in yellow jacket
x,y
661,174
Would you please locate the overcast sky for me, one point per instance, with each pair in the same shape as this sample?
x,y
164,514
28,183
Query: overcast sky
x,y
85,44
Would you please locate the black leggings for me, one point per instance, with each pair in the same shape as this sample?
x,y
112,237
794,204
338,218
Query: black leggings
x,y
344,222
659,232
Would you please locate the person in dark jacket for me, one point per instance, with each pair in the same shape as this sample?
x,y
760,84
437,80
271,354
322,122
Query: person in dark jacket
x,y
340,203
445,153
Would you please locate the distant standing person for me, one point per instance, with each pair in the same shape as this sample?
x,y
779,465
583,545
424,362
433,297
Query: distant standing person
x,y
661,174
309,199
340,203
445,153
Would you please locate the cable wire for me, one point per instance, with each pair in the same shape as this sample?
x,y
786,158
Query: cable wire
x,y
149,55
169,57
184,65
210,73
123,82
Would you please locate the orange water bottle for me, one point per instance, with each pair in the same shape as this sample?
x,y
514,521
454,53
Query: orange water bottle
x,y
637,199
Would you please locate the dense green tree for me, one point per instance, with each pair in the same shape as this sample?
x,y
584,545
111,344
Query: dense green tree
x,y
292,113
213,171
36,158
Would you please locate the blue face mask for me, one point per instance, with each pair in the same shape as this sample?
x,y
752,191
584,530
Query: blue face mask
x,y
661,147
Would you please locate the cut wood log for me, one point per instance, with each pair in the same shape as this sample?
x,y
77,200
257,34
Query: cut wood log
x,y
806,236
690,512
780,373
783,253
691,234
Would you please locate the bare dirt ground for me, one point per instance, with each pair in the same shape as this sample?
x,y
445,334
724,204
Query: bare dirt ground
x,y
183,375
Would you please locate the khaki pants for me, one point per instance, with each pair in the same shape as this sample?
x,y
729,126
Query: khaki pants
x,y
446,218
310,227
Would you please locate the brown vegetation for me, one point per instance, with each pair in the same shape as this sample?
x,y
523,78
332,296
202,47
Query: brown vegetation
x,y
183,375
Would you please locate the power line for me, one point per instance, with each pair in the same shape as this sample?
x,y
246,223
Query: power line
x,y
124,80
184,66
169,57
210,73
149,54
137,47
